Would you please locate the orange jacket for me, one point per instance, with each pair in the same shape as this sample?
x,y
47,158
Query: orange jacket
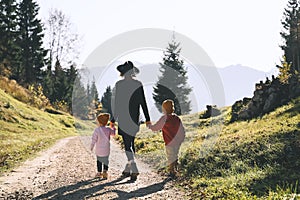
x,y
172,129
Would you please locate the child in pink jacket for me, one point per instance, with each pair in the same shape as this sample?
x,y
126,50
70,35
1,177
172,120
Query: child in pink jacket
x,y
101,137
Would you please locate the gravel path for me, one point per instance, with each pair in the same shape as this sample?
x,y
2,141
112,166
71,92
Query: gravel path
x,y
67,170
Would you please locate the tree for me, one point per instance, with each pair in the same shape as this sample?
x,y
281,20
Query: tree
x,y
94,95
106,101
284,71
59,83
80,104
93,99
291,35
62,42
172,83
48,85
8,39
71,75
30,40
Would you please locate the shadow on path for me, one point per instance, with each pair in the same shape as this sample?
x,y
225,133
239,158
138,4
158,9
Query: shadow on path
x,y
76,192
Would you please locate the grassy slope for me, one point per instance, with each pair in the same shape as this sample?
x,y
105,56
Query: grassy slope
x,y
25,130
259,158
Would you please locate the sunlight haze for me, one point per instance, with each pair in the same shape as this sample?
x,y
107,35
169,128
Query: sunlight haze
x,y
231,32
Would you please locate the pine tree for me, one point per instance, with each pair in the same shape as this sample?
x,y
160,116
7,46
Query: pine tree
x,y
94,96
30,42
8,38
47,83
291,35
80,104
93,99
59,84
172,83
106,101
71,75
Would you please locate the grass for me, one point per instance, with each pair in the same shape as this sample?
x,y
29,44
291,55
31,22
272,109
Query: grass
x,y
25,130
256,159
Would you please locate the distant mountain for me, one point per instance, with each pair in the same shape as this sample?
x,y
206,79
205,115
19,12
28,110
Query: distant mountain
x,y
238,82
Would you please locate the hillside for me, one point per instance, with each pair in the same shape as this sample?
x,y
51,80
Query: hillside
x,y
25,130
256,159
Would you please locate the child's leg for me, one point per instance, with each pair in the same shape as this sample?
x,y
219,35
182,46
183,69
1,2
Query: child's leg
x,y
105,163
105,166
176,152
172,157
99,166
99,169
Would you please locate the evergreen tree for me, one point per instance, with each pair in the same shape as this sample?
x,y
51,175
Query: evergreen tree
x,y
94,96
8,38
172,83
106,100
30,42
47,83
93,99
80,104
291,35
59,84
71,75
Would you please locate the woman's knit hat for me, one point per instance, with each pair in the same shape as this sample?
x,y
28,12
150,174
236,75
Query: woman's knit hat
x,y
103,118
168,105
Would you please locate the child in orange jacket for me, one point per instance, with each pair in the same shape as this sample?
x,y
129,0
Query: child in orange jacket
x,y
173,133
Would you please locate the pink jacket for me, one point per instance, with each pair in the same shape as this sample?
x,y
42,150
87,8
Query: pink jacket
x,y
101,137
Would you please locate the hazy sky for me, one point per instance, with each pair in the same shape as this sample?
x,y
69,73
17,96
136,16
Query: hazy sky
x,y
231,31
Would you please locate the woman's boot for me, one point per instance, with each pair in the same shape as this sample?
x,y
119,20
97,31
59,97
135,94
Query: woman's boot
x,y
135,171
126,172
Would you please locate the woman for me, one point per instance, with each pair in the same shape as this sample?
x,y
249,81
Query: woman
x,y
127,99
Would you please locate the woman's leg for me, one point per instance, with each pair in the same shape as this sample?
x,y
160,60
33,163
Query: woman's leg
x,y
134,169
132,144
128,143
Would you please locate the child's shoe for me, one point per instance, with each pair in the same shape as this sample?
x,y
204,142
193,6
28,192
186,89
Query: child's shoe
x,y
98,175
171,169
104,175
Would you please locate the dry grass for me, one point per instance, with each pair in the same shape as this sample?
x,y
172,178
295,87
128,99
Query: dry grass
x,y
24,130
33,96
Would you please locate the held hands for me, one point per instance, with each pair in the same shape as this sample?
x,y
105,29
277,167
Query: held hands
x,y
148,124
111,124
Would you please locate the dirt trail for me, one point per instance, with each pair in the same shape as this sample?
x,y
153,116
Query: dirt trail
x,y
66,171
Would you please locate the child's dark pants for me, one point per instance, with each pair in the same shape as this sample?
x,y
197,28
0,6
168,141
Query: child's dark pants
x,y
102,161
